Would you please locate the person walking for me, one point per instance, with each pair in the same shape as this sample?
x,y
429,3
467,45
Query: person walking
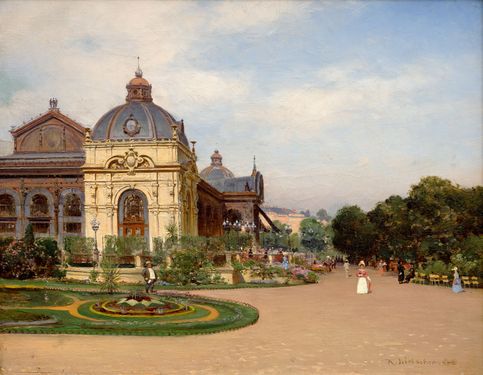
x,y
285,263
346,268
457,288
363,280
382,267
149,276
400,272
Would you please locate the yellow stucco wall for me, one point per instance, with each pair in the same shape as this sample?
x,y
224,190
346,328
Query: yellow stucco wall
x,y
163,170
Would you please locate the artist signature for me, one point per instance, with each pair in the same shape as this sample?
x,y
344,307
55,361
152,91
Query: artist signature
x,y
422,362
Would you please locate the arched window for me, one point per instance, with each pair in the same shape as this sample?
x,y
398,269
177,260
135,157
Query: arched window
x,y
72,205
39,205
133,214
233,215
133,209
7,206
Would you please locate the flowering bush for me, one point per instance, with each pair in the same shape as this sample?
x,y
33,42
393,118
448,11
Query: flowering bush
x,y
307,276
23,260
299,273
16,261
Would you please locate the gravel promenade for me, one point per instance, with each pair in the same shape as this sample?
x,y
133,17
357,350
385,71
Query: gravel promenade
x,y
324,328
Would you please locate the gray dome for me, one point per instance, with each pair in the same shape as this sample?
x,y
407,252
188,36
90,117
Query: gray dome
x,y
216,170
153,123
139,118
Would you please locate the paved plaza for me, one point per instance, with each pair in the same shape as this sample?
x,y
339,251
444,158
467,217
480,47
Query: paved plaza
x,y
323,328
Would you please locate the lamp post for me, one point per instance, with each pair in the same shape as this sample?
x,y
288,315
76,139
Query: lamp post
x,y
95,227
236,226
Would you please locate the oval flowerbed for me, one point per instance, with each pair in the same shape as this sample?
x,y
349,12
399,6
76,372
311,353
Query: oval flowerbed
x,y
165,314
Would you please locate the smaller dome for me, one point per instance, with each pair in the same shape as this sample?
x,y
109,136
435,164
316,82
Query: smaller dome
x,y
138,81
216,170
138,88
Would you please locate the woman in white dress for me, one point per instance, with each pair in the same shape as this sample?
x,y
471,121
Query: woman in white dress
x,y
363,280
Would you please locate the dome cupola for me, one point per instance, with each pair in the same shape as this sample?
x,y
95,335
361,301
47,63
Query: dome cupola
x,y
139,118
138,88
216,170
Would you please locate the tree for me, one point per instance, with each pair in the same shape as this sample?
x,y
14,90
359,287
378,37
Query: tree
x,y
354,234
171,237
29,237
433,206
312,234
392,229
323,215
274,239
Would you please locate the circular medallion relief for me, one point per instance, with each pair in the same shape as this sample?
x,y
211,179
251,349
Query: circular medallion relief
x,y
131,161
131,126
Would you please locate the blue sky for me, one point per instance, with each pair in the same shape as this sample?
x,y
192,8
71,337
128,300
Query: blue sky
x,y
343,102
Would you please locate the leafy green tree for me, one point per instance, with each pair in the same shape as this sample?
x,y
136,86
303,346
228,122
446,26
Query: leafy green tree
x,y
354,234
312,235
392,229
159,252
172,237
433,206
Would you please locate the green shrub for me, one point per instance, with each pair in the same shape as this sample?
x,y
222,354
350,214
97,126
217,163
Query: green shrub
x,y
467,267
116,248
262,270
190,266
238,267
93,276
5,242
437,267
312,277
79,249
110,277
59,273
159,252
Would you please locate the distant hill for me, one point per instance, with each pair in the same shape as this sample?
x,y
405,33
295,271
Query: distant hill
x,y
285,211
6,147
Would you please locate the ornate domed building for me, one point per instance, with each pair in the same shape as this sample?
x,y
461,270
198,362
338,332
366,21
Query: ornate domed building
x,y
134,173
140,174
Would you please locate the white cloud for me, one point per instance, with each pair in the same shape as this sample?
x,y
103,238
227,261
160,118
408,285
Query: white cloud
x,y
352,131
249,16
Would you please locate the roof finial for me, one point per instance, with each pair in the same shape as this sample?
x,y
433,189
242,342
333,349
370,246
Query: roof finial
x,y
139,72
254,171
53,104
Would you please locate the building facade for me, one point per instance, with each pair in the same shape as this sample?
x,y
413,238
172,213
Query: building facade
x,y
134,172
41,182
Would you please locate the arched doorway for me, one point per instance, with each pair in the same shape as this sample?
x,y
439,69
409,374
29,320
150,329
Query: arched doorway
x,y
133,214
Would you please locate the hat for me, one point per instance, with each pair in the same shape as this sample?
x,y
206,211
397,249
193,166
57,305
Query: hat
x,y
361,263
148,262
454,269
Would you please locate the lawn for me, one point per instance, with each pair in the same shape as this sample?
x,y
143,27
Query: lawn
x,y
40,310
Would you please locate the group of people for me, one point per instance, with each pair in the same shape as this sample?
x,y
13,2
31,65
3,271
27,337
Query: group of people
x,y
364,282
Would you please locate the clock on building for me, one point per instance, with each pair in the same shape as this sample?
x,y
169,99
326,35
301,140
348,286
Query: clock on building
x,y
131,126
